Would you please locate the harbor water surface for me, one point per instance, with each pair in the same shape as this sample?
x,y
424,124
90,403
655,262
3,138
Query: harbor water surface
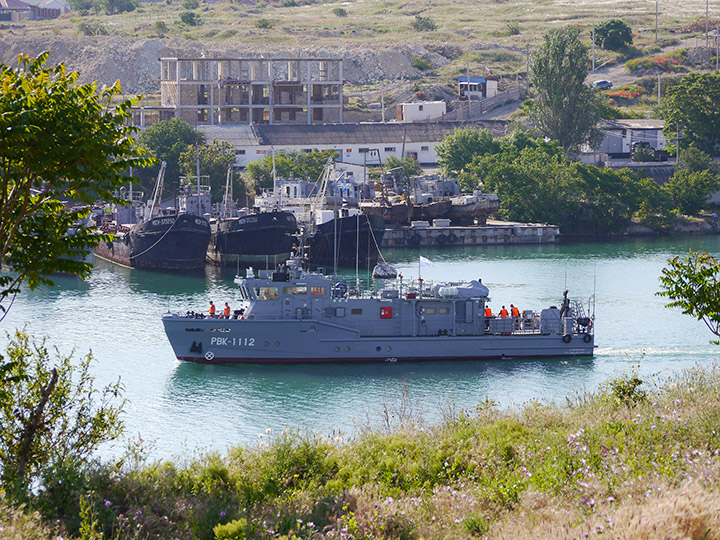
x,y
181,408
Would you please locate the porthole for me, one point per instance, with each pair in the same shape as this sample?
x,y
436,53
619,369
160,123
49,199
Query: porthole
x,y
347,349
378,348
388,348
267,343
337,349
277,343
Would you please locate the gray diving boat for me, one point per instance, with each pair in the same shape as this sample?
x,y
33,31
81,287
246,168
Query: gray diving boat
x,y
289,316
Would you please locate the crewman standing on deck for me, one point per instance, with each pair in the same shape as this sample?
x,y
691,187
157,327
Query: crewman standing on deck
x,y
488,312
514,311
211,311
226,311
503,313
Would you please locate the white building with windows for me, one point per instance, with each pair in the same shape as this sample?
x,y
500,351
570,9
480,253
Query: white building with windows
x,y
420,111
359,144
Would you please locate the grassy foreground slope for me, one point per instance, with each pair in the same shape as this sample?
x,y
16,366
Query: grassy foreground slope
x,y
633,460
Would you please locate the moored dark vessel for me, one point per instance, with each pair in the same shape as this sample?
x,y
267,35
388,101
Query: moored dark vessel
x,y
354,238
173,242
256,238
153,239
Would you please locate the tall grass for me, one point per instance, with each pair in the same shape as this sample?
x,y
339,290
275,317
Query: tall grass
x,y
632,460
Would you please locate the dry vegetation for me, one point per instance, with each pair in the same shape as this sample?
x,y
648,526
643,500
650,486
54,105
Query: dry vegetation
x,y
377,38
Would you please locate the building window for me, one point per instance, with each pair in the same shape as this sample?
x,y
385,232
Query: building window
x,y
240,152
307,150
202,115
420,107
363,150
202,94
424,148
389,148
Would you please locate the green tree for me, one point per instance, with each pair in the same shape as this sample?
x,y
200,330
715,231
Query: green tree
x,y
693,107
613,35
695,160
52,417
165,141
112,7
298,164
423,24
61,149
458,149
408,166
215,159
190,18
565,109
693,284
690,190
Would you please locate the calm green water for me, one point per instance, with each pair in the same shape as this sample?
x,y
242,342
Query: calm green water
x,y
182,407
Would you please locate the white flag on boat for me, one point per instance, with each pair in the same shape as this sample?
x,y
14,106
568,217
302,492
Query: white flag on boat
x,y
425,262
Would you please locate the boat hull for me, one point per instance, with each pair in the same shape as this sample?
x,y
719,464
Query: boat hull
x,y
164,243
255,239
353,245
235,341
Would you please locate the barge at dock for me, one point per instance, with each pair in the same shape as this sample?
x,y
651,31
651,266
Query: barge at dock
x,y
291,316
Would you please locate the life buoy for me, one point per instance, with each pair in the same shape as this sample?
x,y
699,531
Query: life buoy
x,y
567,338
441,239
452,238
414,240
587,338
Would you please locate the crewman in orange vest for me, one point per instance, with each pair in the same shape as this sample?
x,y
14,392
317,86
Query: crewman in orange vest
x,y
226,311
212,309
515,313
488,312
503,313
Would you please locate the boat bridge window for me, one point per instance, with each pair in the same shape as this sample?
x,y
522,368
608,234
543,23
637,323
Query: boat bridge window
x,y
430,311
443,310
245,293
318,291
267,293
297,289
356,311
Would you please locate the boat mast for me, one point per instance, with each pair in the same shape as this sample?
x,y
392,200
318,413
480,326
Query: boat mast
x,y
227,197
157,193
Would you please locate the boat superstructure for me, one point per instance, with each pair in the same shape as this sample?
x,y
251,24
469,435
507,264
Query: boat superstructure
x,y
292,316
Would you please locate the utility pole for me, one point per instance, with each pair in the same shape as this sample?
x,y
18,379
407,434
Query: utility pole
x,y
707,21
382,100
656,22
593,45
467,71
527,69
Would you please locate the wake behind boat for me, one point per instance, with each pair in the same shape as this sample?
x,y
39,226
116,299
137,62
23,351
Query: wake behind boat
x,y
293,316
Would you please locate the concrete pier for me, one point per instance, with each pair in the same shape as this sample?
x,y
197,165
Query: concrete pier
x,y
493,233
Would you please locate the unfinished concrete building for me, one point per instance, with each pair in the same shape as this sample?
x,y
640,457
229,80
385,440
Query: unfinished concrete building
x,y
215,91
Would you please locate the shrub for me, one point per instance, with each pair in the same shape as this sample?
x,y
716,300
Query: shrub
x,y
513,28
339,12
423,24
418,62
191,4
628,93
613,35
263,23
665,62
190,18
160,27
90,28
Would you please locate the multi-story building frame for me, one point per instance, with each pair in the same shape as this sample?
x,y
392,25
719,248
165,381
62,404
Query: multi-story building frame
x,y
216,91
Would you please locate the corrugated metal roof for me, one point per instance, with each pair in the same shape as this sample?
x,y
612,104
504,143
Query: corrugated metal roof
x,y
632,123
17,5
278,135
236,135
